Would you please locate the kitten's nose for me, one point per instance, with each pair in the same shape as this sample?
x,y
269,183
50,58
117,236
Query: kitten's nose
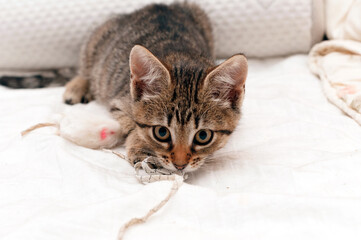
x,y
180,167
180,157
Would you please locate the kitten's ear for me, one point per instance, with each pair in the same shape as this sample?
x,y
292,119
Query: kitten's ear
x,y
226,82
148,75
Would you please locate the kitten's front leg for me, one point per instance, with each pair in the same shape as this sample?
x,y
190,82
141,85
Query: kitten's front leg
x,y
137,149
77,91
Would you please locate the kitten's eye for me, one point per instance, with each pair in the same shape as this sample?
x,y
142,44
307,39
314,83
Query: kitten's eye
x,y
203,137
161,133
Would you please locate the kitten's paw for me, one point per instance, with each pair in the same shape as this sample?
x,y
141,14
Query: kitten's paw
x,y
76,91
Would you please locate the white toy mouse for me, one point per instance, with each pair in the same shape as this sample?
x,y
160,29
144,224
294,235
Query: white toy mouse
x,y
89,126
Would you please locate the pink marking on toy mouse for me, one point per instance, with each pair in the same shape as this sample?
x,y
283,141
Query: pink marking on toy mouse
x,y
103,133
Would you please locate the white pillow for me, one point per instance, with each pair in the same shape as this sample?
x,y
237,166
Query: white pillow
x,y
46,34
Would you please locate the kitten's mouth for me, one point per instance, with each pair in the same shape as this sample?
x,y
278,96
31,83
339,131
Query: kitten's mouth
x,y
189,167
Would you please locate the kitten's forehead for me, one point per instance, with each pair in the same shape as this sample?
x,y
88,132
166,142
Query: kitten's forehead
x,y
183,117
186,83
184,102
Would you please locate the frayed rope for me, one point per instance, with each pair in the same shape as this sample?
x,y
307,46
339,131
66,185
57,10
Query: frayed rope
x,y
151,175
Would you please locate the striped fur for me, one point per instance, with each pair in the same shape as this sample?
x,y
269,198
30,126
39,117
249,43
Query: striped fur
x,y
155,67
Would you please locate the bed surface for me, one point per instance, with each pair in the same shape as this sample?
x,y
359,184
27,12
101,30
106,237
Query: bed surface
x,y
292,170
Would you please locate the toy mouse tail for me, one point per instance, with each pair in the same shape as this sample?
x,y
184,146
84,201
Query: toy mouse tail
x,y
39,125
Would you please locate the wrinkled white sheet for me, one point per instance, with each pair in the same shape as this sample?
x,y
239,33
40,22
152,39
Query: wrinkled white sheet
x,y
291,171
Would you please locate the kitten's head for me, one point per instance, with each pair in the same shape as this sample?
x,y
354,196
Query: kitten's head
x,y
186,111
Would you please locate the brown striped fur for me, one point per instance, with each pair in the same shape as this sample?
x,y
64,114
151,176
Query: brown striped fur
x,y
155,67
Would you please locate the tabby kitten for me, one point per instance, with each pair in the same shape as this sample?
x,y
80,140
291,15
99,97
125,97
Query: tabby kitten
x,y
154,69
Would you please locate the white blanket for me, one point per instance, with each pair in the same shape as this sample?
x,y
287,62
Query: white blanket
x,y
338,64
338,61
291,171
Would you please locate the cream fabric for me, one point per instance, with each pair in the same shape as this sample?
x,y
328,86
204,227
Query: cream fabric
x,y
343,19
290,171
338,62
